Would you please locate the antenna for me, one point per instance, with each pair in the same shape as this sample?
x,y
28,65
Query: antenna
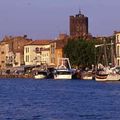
x,y
79,11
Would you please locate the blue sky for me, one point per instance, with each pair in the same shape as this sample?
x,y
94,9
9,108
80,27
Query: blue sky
x,y
45,19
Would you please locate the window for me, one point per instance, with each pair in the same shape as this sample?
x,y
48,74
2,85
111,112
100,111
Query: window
x,y
118,54
2,52
117,37
27,50
27,58
3,61
52,49
118,62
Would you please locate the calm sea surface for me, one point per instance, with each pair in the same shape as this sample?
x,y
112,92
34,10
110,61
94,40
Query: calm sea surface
x,y
28,99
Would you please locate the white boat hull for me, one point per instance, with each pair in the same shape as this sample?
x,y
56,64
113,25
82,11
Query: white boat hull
x,y
40,76
110,77
62,77
113,77
63,70
87,75
101,77
101,80
87,78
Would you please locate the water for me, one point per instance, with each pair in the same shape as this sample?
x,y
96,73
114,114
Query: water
x,y
28,99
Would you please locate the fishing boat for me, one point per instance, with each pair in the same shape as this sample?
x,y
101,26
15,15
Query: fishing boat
x,y
63,74
87,75
40,75
63,70
107,73
113,75
101,75
40,72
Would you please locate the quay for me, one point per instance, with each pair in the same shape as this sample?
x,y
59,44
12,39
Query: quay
x,y
16,76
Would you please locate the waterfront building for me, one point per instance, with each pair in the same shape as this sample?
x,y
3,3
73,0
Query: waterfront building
x,y
4,52
57,50
12,51
62,36
117,45
78,25
37,52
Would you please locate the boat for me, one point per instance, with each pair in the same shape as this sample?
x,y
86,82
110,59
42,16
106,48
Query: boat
x,y
40,75
107,73
101,77
87,75
63,70
101,73
40,72
113,75
62,74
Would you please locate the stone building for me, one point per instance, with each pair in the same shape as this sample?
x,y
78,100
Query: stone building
x,y
57,50
37,52
117,45
12,51
78,25
4,52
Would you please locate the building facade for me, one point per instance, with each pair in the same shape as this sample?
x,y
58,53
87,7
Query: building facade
x,y
78,25
37,52
57,52
17,51
4,53
117,45
12,51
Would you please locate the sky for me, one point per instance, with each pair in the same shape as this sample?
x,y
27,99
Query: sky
x,y
46,19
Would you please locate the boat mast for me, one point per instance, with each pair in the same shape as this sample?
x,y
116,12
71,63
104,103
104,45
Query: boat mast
x,y
112,55
105,53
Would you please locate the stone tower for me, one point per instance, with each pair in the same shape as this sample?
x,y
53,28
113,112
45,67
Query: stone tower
x,y
78,25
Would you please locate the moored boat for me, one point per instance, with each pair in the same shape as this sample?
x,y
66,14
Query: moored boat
x,y
63,70
113,75
40,72
101,77
101,73
87,75
108,75
40,75
62,74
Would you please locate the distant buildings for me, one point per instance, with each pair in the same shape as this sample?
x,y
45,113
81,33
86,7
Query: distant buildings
x,y
37,52
117,44
57,52
18,51
12,51
78,25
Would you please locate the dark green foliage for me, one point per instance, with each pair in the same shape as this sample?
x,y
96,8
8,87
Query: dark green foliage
x,y
80,52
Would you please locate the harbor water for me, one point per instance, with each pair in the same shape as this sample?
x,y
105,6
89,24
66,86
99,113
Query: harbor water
x,y
29,99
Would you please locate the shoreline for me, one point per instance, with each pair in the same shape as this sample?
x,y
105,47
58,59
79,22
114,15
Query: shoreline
x,y
16,76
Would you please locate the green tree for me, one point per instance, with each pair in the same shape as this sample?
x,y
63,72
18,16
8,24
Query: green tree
x,y
80,52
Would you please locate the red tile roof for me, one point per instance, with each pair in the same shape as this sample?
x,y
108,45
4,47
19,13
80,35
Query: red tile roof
x,y
39,42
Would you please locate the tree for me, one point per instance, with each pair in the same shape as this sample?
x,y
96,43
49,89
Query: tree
x,y
80,52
